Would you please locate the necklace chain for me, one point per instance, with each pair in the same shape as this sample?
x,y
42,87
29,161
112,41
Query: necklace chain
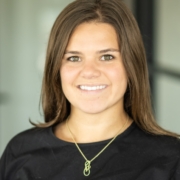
x,y
87,164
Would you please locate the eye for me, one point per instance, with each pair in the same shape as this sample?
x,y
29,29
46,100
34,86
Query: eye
x,y
73,58
107,57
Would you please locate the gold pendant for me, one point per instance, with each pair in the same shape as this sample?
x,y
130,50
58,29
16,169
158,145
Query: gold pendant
x,y
87,168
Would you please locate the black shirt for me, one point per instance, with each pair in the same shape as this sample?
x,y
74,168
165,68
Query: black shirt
x,y
36,154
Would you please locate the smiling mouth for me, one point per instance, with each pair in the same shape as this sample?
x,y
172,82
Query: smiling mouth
x,y
92,88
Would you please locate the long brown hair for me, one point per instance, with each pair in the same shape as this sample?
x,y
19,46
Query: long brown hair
x,y
137,101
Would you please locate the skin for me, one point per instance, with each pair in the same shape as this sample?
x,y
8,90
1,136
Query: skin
x,y
92,59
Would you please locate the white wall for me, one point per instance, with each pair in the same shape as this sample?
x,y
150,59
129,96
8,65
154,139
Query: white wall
x,y
167,50
24,30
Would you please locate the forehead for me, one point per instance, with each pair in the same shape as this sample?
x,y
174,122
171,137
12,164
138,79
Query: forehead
x,y
93,35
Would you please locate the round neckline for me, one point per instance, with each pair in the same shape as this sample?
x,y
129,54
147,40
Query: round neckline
x,y
63,142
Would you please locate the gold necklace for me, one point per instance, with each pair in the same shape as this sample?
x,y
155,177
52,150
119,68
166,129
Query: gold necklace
x,y
87,164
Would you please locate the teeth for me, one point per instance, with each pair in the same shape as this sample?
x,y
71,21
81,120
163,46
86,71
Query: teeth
x,y
92,88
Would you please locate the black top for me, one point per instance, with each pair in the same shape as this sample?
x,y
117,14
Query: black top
x,y
134,155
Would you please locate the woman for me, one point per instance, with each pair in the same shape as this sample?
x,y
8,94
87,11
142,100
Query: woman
x,y
98,118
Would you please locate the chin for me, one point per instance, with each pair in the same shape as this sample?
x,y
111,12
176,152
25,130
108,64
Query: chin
x,y
93,110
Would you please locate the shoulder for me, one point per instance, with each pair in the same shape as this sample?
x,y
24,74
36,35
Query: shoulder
x,y
28,140
22,148
160,144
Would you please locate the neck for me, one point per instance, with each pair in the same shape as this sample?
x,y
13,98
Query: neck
x,y
96,127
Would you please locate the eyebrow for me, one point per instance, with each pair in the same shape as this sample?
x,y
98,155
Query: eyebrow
x,y
99,52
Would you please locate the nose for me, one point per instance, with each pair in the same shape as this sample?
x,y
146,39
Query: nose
x,y
90,70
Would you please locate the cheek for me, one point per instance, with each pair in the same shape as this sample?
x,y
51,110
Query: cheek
x,y
118,75
68,75
65,77
63,74
65,80
119,81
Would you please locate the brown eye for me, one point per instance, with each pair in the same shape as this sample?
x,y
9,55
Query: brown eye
x,y
107,57
73,58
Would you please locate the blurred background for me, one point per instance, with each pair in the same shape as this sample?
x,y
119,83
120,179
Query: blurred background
x,y
24,29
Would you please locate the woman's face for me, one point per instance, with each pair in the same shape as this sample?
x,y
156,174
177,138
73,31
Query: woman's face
x,y
92,72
